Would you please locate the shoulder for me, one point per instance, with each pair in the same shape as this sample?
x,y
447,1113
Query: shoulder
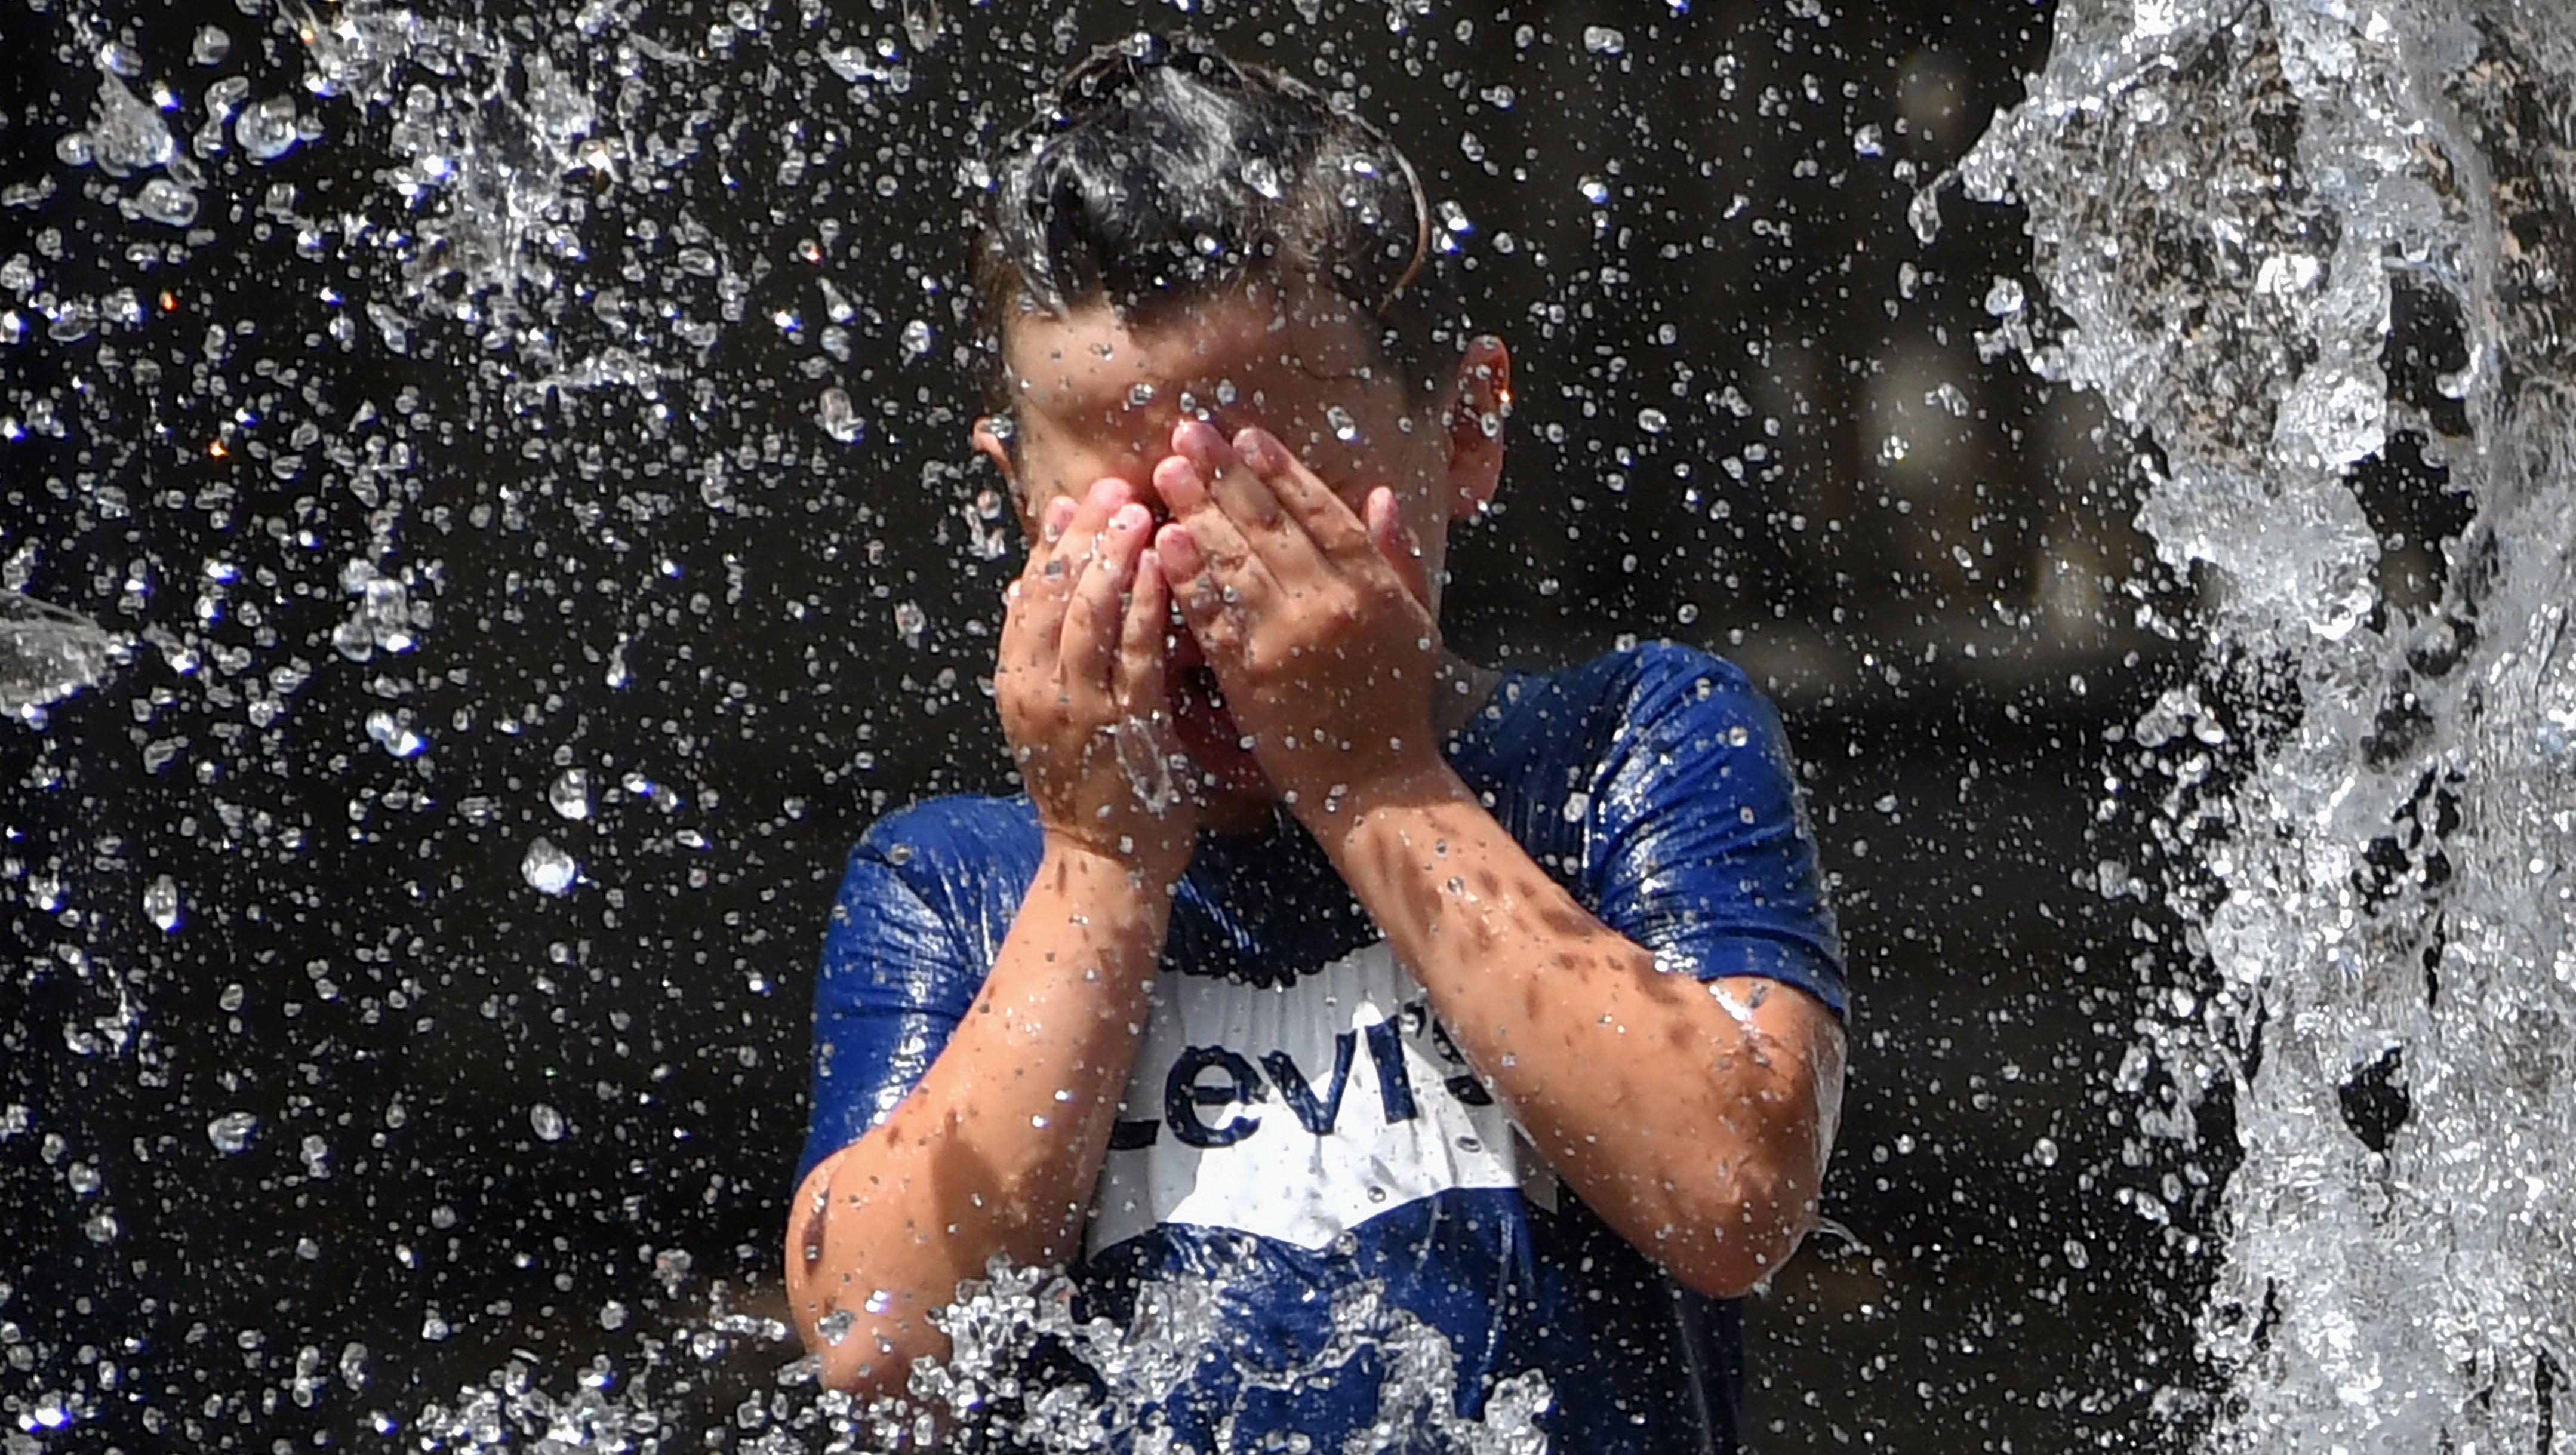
x,y
1566,756
961,857
1660,727
1652,687
951,830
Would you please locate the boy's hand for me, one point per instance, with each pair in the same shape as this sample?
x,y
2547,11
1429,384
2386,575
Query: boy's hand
x,y
1080,685
1313,618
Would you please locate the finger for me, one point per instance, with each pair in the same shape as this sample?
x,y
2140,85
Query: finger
x,y
1396,543
1222,564
1034,614
1076,537
1191,578
1059,514
1310,503
1092,622
1142,652
1241,493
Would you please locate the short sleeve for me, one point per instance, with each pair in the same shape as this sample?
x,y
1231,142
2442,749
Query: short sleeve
x,y
895,980
1697,845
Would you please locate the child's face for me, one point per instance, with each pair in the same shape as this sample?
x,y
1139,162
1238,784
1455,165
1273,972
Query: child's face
x,y
1093,399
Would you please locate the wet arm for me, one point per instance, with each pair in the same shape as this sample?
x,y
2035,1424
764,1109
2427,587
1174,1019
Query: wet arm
x,y
997,1149
1694,1117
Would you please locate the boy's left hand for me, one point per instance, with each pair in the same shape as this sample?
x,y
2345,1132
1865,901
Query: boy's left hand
x,y
1314,618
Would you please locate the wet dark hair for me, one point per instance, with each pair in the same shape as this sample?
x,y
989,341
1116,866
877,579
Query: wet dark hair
x,y
1161,172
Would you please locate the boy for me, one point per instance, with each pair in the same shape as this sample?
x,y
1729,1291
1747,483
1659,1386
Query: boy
x,y
1312,957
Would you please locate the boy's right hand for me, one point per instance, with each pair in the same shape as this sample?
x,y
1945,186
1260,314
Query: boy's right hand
x,y
1081,686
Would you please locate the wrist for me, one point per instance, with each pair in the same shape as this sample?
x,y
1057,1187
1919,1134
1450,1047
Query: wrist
x,y
1144,874
1385,800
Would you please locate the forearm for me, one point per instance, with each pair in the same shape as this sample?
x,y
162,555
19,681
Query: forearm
x,y
1693,1128
997,1149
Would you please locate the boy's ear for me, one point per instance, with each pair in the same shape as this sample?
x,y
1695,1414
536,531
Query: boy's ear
x,y
1479,407
988,443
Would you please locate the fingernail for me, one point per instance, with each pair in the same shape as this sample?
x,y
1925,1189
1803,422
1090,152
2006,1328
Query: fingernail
x,y
1257,448
1131,517
1059,514
1178,474
1101,492
1198,444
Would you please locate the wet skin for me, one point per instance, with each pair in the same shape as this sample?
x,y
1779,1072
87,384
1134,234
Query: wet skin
x,y
1234,498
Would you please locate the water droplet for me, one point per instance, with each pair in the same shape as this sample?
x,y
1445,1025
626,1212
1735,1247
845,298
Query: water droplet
x,y
2044,1152
612,1315
838,418
1262,176
835,1326
1866,142
1139,395
1345,428
226,94
569,795
546,1122
165,201
267,129
547,869
916,340
393,735
1601,40
212,46
231,1132
161,902
1594,190
2004,299
1652,421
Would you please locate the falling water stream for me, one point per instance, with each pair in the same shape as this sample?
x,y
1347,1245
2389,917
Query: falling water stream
x,y
2289,243
2293,248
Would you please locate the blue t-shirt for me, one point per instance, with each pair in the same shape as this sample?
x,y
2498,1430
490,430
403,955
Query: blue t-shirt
x,y
1298,1127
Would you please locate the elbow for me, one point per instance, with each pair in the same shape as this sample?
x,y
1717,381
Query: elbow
x,y
865,1361
857,1352
1741,1235
863,1353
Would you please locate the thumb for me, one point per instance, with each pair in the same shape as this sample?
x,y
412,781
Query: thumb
x,y
1396,543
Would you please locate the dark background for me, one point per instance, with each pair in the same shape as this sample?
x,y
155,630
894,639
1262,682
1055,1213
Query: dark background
x,y
591,450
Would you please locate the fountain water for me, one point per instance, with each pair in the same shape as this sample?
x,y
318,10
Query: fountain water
x,y
2299,250
462,438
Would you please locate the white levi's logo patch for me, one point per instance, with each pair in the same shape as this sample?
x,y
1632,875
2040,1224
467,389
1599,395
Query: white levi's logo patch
x,y
1298,1112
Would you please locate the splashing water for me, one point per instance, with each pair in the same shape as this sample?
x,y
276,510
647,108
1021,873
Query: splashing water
x,y
46,654
2289,245
2235,213
995,1328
